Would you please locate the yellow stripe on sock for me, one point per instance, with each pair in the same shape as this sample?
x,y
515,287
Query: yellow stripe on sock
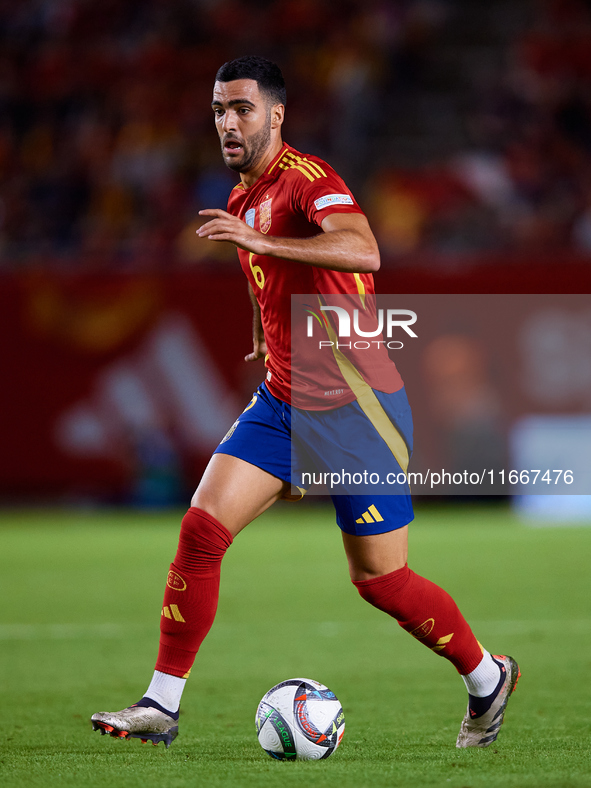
x,y
177,614
442,642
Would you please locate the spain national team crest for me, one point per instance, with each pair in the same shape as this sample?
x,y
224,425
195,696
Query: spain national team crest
x,y
265,216
424,630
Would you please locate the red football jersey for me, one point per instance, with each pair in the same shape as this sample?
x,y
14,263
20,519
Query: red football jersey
x,y
290,200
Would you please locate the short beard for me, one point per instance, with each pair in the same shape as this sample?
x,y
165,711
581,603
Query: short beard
x,y
254,148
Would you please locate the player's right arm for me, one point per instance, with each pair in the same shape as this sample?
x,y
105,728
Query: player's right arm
x,y
345,243
259,346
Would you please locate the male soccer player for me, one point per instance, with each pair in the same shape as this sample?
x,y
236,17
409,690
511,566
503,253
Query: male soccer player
x,y
298,229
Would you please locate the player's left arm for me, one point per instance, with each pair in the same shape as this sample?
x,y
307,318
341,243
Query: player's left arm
x,y
346,242
259,346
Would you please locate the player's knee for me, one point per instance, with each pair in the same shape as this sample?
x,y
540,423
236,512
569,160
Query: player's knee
x,y
381,592
203,541
202,499
208,500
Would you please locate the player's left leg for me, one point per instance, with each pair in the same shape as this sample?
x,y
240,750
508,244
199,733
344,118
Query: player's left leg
x,y
378,568
372,440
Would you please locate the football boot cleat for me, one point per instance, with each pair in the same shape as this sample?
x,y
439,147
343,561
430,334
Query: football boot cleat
x,y
145,720
484,717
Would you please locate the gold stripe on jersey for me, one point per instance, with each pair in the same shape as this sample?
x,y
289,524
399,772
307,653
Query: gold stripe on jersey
x,y
293,166
289,161
301,169
360,289
301,161
277,161
370,404
312,165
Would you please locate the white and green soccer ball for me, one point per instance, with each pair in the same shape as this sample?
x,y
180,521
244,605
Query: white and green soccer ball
x,y
300,719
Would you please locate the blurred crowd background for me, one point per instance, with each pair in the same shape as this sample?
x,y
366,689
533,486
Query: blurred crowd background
x,y
461,126
464,129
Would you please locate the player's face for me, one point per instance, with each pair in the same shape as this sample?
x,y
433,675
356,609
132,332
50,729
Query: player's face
x,y
243,121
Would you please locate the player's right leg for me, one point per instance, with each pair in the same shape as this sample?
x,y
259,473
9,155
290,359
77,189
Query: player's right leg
x,y
232,493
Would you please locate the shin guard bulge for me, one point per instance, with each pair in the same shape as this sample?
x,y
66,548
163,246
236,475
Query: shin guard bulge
x,y
427,612
192,590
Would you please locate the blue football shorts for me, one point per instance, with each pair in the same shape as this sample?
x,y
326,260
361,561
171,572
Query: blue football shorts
x,y
298,446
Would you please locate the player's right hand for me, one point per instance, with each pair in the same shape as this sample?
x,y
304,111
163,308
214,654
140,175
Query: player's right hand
x,y
226,227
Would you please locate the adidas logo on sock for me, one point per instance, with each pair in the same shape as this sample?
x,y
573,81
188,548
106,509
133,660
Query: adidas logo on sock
x,y
371,516
172,611
442,642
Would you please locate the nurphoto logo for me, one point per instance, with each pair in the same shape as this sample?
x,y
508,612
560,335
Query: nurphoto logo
x,y
388,318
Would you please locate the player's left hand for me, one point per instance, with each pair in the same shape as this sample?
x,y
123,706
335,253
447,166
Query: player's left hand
x,y
225,227
259,350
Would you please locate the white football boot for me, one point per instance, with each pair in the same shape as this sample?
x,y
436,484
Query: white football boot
x,y
145,720
481,730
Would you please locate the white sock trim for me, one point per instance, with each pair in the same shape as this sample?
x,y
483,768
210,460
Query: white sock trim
x,y
166,690
484,679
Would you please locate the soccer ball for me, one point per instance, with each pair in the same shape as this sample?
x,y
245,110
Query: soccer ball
x,y
300,719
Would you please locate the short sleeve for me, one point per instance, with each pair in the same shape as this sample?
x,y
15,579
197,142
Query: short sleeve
x,y
320,192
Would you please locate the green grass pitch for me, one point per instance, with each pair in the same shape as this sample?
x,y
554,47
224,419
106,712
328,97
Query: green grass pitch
x,y
81,595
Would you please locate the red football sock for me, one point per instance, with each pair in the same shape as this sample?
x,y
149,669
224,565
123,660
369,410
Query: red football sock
x,y
427,612
192,590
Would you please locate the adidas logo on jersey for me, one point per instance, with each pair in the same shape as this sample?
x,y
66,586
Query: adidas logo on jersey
x,y
370,516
